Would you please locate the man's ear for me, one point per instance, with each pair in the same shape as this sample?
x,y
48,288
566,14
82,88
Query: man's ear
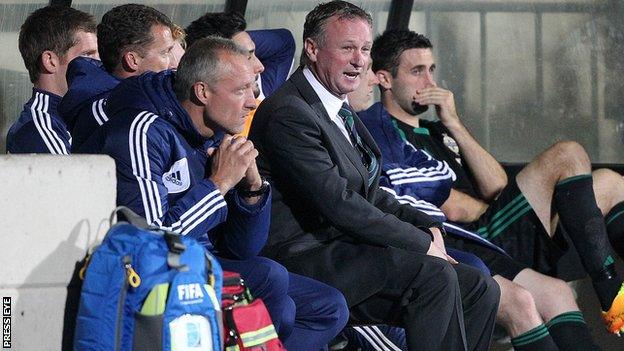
x,y
130,61
385,79
200,93
50,61
311,48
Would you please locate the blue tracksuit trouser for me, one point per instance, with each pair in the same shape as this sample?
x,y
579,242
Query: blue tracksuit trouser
x,y
307,314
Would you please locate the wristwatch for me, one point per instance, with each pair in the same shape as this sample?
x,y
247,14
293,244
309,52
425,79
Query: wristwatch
x,y
253,193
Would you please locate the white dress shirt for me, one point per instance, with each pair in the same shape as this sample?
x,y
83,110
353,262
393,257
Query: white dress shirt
x,y
331,102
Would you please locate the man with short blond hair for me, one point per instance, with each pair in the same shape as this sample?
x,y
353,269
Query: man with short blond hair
x,y
270,50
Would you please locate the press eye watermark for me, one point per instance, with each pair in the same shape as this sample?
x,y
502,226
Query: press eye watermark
x,y
6,322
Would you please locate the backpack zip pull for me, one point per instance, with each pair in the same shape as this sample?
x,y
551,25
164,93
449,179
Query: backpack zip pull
x,y
83,269
133,278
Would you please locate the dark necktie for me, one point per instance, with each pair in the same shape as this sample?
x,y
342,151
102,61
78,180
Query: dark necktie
x,y
366,154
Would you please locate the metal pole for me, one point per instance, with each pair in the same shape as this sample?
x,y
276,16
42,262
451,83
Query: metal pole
x,y
484,111
67,3
238,6
539,64
399,14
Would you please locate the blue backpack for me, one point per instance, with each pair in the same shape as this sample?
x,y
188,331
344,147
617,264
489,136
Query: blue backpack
x,y
147,289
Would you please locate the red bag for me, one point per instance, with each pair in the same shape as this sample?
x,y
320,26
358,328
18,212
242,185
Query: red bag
x,y
246,321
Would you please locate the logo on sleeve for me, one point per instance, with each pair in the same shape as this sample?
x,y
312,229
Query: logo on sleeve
x,y
177,179
451,144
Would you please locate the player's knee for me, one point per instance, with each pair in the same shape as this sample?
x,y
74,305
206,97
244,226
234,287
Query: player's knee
x,y
608,179
519,303
605,176
569,153
556,292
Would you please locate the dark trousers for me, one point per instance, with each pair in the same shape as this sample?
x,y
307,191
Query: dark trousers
x,y
307,314
385,337
441,306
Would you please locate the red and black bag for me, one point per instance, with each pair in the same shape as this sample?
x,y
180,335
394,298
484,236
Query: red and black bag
x,y
246,321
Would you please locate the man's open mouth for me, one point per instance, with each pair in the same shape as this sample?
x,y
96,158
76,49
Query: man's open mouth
x,y
352,75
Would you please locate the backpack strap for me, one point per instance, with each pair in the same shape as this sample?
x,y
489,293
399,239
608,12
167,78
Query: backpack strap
x,y
176,247
129,216
173,240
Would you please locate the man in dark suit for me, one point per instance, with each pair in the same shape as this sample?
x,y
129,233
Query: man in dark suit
x,y
331,221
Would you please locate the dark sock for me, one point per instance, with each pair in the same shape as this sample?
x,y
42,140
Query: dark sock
x,y
536,339
615,228
570,332
580,216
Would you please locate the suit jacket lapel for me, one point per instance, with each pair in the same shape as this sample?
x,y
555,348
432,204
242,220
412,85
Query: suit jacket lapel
x,y
336,136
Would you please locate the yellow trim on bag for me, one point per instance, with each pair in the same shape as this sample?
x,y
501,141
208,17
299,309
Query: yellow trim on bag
x,y
259,336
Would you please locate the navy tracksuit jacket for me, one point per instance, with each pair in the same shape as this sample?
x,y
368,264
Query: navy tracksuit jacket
x,y
83,106
39,128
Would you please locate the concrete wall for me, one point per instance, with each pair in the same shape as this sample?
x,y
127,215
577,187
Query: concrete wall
x,y
52,209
